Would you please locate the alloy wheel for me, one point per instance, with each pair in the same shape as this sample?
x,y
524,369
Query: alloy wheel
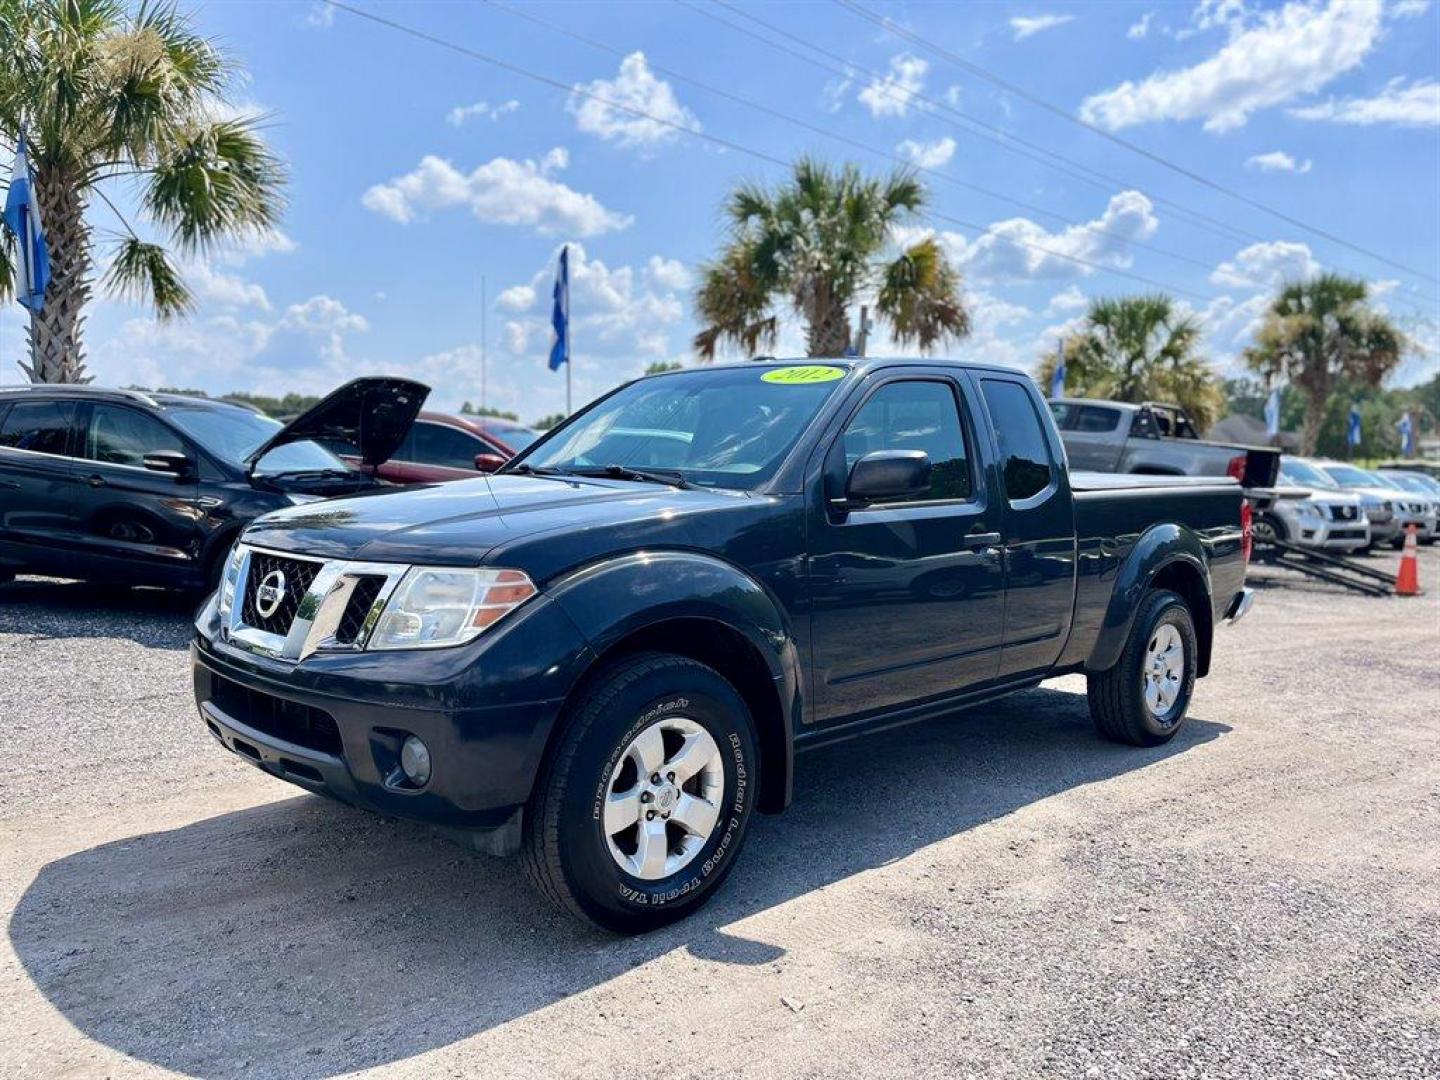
x,y
663,800
1164,673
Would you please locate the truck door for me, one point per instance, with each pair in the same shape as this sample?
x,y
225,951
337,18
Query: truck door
x,y
1038,525
907,597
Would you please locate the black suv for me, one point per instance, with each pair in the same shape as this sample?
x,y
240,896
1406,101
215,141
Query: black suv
x,y
151,489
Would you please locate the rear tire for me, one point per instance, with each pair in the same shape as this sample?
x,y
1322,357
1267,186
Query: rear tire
x,y
603,840
1143,698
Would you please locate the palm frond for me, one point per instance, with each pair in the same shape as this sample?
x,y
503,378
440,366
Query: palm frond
x,y
219,181
921,299
734,301
143,272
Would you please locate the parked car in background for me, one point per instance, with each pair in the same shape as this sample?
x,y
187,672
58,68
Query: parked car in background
x,y
1381,498
1417,465
611,668
152,489
1327,518
445,446
1420,487
1156,439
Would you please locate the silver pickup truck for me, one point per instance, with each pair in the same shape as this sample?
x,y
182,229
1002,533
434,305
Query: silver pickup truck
x,y
1154,438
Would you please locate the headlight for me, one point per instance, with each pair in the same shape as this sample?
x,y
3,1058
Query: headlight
x,y
1310,510
229,579
437,606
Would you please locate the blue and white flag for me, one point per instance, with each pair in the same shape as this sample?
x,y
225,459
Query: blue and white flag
x,y
1352,433
1057,380
560,316
1272,413
1407,435
22,217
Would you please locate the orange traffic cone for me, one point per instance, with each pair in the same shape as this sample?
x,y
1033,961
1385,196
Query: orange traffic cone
x,y
1408,581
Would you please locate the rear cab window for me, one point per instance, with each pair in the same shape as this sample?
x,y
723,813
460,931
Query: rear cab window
x,y
1025,460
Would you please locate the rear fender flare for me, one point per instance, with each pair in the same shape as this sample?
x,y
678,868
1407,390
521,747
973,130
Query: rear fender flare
x,y
1158,547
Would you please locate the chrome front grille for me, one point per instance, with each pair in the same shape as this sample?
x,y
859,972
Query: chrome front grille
x,y
312,605
1344,513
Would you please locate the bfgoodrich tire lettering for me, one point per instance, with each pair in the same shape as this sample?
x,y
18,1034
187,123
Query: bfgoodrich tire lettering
x,y
1117,697
566,850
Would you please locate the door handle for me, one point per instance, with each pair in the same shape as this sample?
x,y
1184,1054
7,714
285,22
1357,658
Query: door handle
x,y
96,480
989,539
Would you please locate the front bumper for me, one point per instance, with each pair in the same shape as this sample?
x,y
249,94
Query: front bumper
x,y
1326,534
334,724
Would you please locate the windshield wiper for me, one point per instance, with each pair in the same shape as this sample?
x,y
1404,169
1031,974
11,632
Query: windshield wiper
x,y
625,472
538,470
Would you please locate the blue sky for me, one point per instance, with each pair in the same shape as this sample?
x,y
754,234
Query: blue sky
x,y
416,171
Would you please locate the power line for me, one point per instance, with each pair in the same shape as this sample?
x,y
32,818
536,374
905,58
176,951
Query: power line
x,y
1035,99
999,196
718,140
965,121
1418,302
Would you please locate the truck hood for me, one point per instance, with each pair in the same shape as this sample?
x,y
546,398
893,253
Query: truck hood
x,y
374,414
460,523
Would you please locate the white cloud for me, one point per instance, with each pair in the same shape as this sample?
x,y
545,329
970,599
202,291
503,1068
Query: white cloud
x,y
668,273
833,93
1416,105
1069,299
1029,25
481,110
218,287
928,155
1286,53
516,298
1020,250
500,192
636,87
1277,161
1141,28
892,95
954,93
1265,265
240,250
1409,9
320,15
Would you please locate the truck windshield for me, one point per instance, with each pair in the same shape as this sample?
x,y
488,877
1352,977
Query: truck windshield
x,y
232,433
1350,476
725,427
1303,474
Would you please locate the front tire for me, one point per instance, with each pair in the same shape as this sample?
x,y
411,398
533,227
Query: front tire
x,y
1142,699
642,806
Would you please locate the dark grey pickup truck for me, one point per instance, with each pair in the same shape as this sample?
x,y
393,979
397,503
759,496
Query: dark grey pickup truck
x,y
608,654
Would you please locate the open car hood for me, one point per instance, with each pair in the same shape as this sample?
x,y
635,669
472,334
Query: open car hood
x,y
373,414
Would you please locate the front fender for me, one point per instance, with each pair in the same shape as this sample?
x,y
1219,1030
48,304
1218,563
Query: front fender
x,y
611,600
1158,547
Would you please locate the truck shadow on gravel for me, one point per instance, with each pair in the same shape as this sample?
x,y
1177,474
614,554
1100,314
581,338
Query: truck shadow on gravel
x,y
304,939
46,609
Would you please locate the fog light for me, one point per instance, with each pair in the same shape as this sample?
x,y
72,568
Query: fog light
x,y
415,761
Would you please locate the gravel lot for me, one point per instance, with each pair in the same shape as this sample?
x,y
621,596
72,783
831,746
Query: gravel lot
x,y
998,894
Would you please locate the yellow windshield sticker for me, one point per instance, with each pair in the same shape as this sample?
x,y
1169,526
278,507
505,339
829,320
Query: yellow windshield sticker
x,y
803,375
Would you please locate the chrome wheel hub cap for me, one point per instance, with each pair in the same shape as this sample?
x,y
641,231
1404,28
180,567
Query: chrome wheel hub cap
x,y
663,798
1164,672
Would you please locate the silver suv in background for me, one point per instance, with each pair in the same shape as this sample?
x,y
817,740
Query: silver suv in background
x,y
1423,488
1326,518
1389,508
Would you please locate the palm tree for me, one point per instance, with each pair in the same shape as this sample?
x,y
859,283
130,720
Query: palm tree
x,y
107,97
1319,331
1139,348
819,241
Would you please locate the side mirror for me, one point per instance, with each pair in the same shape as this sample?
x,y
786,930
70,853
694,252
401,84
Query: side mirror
x,y
888,475
168,461
488,462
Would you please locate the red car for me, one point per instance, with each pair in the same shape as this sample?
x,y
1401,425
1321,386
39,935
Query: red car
x,y
442,446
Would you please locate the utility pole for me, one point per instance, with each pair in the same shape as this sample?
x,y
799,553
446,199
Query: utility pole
x,y
484,341
863,337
